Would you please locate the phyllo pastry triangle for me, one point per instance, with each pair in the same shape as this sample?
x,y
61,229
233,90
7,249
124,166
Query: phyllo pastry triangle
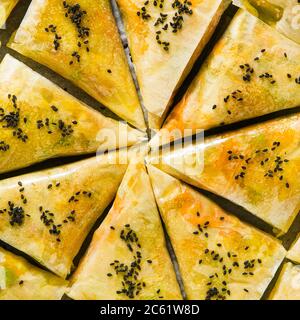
x,y
6,6
128,257
48,214
256,167
80,41
41,121
252,71
165,39
283,15
19,280
288,284
294,252
220,257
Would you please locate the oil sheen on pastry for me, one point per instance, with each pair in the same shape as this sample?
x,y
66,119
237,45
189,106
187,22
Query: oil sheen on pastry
x,y
128,257
220,257
165,39
252,71
39,120
80,41
48,214
255,167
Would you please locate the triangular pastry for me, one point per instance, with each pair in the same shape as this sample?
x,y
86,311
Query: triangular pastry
x,y
128,258
48,214
80,41
6,6
287,286
256,167
283,15
220,257
165,39
294,252
253,70
19,280
41,121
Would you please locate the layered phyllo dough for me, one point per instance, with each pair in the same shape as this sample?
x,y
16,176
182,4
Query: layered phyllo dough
x,y
41,121
165,38
80,41
256,167
253,70
48,214
220,257
287,286
19,280
128,257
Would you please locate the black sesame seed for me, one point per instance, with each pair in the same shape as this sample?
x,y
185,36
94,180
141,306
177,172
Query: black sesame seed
x,y
54,108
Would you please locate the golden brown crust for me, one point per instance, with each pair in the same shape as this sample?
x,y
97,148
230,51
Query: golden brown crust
x,y
166,66
21,281
48,122
48,214
131,233
87,51
256,167
219,256
253,70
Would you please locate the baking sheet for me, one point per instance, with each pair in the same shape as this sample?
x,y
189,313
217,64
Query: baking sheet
x,y
13,23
